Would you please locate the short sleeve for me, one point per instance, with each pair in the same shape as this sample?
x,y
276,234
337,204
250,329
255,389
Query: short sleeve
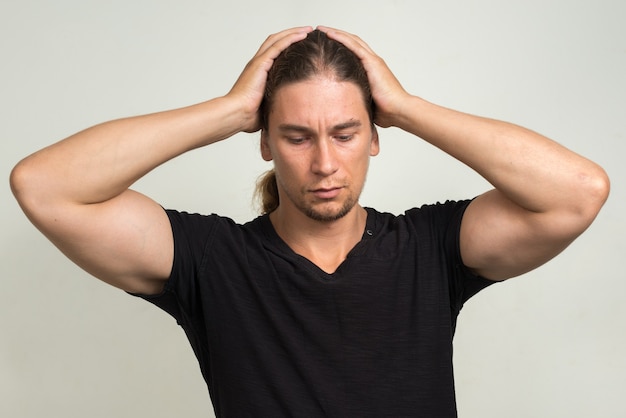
x,y
192,234
441,222
463,283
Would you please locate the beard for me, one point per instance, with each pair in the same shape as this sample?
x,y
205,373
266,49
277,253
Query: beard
x,y
319,210
329,215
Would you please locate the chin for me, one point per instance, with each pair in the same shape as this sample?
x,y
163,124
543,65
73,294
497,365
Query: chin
x,y
329,214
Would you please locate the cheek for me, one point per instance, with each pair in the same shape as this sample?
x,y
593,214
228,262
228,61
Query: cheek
x,y
286,171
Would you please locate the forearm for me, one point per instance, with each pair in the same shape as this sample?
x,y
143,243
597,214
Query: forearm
x,y
76,191
544,197
101,162
533,171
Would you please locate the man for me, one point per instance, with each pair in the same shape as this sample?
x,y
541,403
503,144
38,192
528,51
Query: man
x,y
320,307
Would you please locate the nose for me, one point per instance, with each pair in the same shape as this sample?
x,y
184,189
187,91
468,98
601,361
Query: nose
x,y
324,162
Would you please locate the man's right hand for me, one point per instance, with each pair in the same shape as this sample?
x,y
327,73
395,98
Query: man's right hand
x,y
250,86
77,190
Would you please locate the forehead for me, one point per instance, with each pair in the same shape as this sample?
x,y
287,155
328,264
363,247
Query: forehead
x,y
318,100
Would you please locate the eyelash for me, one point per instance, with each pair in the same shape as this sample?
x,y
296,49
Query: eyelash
x,y
297,140
340,138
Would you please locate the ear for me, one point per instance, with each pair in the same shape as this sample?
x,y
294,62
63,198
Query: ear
x,y
374,143
266,152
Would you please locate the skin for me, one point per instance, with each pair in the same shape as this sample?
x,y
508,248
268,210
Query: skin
x,y
544,195
320,138
84,205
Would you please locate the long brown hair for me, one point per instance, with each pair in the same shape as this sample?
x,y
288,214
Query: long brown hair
x,y
314,55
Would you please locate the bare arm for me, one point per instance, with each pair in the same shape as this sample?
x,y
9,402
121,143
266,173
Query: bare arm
x,y
545,195
77,190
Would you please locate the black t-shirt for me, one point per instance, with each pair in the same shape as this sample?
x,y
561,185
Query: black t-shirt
x,y
276,336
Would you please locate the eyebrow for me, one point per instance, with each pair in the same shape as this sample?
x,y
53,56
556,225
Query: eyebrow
x,y
298,128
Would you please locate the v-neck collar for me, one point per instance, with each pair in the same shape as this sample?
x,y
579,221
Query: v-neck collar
x,y
278,244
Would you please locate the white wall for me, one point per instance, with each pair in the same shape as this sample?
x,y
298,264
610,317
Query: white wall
x,y
549,344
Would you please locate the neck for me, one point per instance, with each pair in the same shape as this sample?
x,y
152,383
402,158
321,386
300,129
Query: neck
x,y
326,244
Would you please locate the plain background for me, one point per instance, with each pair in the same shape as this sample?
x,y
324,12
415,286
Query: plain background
x,y
548,344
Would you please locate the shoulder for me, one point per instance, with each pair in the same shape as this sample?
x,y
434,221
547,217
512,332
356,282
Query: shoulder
x,y
201,222
434,214
439,210
201,229
426,228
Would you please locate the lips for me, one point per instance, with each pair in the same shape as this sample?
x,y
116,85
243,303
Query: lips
x,y
326,193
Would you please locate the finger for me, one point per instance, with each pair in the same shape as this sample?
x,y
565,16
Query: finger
x,y
351,41
283,39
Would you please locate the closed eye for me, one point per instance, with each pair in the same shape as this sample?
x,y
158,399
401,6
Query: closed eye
x,y
297,140
344,138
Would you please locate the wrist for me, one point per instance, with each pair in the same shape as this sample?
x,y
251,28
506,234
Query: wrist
x,y
405,114
241,116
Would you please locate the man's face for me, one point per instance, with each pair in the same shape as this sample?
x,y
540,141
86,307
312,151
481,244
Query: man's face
x,y
320,138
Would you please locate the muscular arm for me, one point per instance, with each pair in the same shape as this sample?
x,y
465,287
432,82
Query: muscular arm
x,y
544,195
77,190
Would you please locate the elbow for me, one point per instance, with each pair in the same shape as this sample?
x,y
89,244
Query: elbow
x,y
27,186
18,179
600,189
594,191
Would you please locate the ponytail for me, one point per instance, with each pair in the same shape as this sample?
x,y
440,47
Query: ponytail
x,y
266,193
